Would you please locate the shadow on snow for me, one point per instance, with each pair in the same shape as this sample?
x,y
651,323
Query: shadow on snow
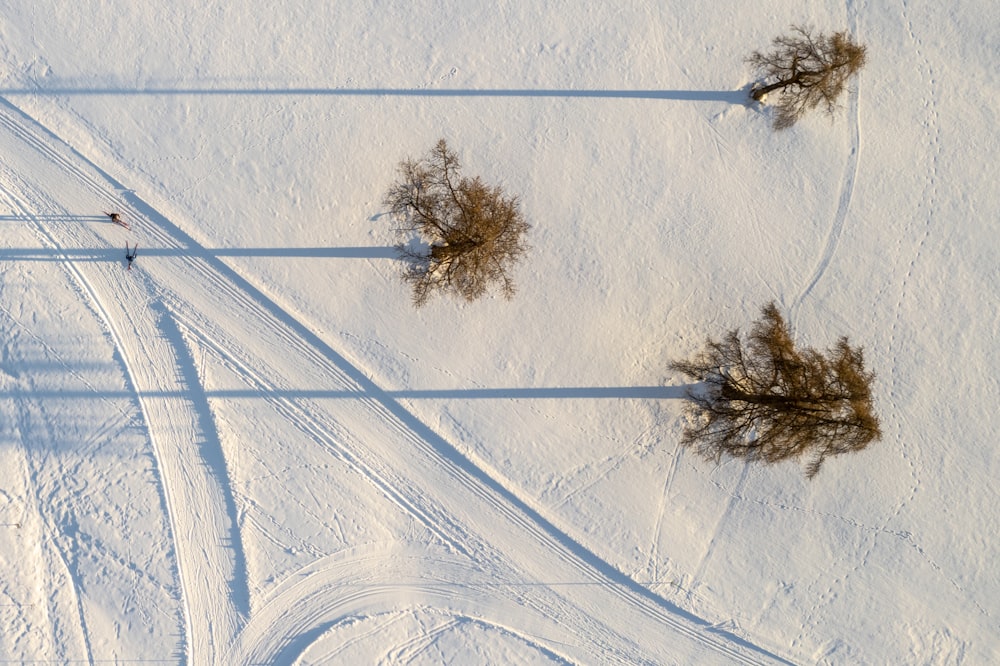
x,y
551,393
730,96
212,456
115,254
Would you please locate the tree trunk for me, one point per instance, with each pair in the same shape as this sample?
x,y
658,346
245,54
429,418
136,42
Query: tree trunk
x,y
442,253
780,402
758,93
800,78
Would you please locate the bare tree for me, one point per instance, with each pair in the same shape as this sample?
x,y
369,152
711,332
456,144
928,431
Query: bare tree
x,y
809,71
767,400
473,232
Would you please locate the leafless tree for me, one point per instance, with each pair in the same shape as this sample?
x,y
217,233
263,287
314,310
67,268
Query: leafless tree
x,y
809,71
767,400
473,233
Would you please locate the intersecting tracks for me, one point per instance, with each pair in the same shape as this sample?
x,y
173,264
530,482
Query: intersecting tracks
x,y
496,553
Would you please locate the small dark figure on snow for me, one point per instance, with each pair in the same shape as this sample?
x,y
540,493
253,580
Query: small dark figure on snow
x,y
117,219
130,255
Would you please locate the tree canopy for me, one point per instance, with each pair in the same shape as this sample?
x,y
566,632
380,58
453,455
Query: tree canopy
x,y
473,232
767,399
809,71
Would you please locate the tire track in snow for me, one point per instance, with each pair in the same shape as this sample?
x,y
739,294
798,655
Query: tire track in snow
x,y
530,543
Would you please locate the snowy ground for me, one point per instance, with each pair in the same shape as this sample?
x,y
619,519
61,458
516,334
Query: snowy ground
x,y
252,449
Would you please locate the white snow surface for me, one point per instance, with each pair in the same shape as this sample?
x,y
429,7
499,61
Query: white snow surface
x,y
252,449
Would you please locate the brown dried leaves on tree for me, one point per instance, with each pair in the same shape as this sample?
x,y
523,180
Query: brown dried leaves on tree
x,y
808,71
474,233
768,400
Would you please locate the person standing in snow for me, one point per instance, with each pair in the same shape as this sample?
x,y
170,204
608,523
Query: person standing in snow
x,y
130,255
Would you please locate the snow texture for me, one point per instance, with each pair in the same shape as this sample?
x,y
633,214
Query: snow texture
x,y
251,448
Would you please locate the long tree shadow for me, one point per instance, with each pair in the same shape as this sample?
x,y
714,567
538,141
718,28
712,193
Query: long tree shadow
x,y
116,254
544,393
730,96
64,217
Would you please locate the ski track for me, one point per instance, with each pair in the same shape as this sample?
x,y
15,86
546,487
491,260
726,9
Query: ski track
x,y
653,565
88,292
735,496
344,585
846,188
174,461
429,479
60,557
212,459
456,538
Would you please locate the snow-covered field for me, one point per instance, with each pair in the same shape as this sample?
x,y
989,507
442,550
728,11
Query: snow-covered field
x,y
251,448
